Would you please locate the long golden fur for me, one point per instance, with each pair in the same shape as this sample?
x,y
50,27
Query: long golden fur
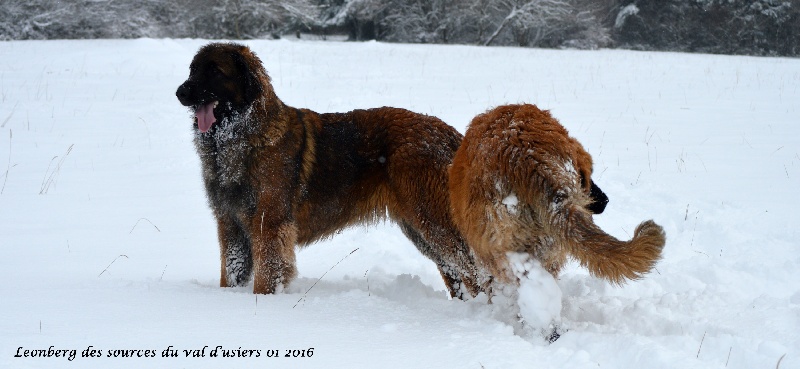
x,y
277,176
520,183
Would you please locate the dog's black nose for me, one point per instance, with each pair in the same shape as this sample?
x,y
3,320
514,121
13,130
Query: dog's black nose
x,y
183,94
599,200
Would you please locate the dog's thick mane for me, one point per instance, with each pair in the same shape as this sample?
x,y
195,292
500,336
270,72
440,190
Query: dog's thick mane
x,y
224,148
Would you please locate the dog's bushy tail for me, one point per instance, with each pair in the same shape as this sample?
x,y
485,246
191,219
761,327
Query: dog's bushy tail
x,y
609,258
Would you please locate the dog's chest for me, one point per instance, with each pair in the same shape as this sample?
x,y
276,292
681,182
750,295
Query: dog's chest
x,y
224,155
226,149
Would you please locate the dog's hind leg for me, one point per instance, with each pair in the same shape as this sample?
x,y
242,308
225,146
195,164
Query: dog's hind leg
x,y
460,283
236,261
452,280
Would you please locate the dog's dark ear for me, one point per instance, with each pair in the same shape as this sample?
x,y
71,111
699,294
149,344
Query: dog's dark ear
x,y
599,200
252,86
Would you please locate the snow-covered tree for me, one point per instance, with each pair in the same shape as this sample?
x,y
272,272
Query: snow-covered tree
x,y
762,27
359,18
45,19
718,26
243,19
527,20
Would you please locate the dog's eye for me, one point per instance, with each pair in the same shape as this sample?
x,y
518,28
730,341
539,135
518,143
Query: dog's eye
x,y
214,71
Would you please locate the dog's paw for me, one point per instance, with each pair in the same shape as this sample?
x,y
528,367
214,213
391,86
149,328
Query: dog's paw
x,y
554,334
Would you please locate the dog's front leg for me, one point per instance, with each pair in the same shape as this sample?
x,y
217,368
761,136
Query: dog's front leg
x,y
273,243
236,261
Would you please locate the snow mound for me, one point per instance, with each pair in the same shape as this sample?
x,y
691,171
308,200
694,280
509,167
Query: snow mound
x,y
538,296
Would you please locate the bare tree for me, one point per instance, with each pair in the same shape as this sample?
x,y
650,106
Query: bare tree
x,y
42,19
528,18
47,19
759,27
425,21
756,27
243,19
360,18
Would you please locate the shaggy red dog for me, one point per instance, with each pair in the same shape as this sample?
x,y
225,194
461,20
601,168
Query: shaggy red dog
x,y
277,176
520,183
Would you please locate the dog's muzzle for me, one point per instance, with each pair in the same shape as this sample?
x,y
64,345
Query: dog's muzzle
x,y
184,94
599,200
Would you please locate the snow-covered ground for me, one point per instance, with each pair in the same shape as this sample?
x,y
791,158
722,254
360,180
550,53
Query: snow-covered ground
x,y
106,239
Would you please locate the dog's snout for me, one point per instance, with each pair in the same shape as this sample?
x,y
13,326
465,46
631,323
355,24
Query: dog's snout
x,y
599,200
183,93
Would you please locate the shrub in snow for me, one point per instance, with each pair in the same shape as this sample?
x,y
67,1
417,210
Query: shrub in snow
x,y
761,27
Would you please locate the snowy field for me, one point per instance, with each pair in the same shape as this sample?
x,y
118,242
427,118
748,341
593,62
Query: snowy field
x,y
106,239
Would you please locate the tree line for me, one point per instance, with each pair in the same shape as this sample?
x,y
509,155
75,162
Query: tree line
x,y
752,27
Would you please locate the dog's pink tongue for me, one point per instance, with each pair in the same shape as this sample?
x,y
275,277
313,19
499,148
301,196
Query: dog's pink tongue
x,y
205,116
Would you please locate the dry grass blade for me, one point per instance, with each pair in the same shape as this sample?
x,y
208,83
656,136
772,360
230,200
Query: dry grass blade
x,y
8,118
109,265
778,365
148,221
701,345
320,278
8,169
50,177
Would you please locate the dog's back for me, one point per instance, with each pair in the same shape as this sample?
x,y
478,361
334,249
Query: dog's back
x,y
369,161
519,183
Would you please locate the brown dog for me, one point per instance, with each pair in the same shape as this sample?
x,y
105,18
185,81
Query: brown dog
x,y
519,183
277,176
